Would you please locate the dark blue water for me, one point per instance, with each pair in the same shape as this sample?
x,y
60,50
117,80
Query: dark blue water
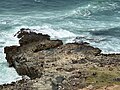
x,y
98,21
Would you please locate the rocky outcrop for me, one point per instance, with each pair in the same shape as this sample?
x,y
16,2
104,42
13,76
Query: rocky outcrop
x,y
54,66
26,36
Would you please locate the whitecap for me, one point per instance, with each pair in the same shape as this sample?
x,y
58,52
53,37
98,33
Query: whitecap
x,y
7,74
47,29
38,0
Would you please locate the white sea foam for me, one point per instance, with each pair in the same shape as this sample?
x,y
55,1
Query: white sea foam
x,y
91,8
47,29
111,45
106,44
7,74
38,0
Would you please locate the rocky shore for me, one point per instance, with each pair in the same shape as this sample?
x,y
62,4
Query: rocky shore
x,y
47,64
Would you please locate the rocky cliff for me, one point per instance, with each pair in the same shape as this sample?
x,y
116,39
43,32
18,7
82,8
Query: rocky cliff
x,y
52,65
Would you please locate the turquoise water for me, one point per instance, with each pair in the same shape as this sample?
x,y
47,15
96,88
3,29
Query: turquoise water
x,y
98,21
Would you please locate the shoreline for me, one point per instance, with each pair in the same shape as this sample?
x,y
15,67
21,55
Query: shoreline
x,y
70,66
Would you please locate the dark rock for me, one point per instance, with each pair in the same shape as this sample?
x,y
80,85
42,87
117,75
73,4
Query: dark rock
x,y
29,37
117,79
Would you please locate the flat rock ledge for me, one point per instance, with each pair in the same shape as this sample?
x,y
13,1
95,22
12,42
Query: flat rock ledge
x,y
47,64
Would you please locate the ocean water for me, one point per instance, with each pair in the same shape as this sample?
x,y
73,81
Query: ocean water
x,y
93,21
